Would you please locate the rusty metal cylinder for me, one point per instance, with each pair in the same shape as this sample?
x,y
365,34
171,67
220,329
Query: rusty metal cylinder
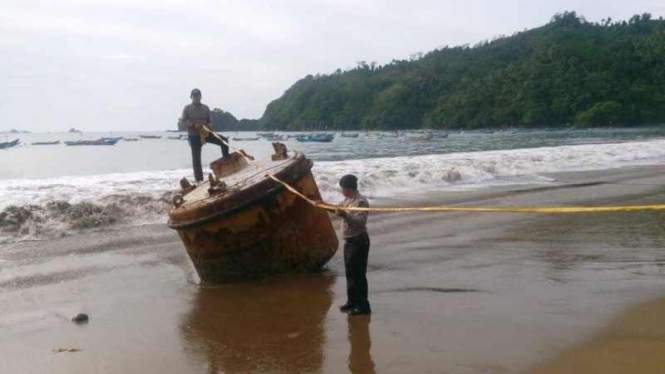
x,y
257,228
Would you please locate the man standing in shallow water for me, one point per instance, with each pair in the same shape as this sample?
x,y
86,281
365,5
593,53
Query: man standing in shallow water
x,y
195,116
356,247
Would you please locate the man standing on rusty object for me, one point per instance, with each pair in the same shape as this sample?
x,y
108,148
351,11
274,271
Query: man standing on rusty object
x,y
195,115
356,247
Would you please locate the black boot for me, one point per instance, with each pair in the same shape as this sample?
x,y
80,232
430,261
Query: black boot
x,y
346,308
357,311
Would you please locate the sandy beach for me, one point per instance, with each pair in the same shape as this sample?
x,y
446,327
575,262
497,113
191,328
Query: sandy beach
x,y
451,293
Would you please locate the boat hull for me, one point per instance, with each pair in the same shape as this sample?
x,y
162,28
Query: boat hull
x,y
9,144
275,232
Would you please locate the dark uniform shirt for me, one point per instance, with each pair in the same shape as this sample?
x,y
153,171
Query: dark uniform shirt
x,y
194,113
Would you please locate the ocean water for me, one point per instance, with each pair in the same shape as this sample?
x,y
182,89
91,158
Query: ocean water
x,y
51,191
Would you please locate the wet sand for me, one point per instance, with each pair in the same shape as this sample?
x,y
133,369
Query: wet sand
x,y
633,343
451,293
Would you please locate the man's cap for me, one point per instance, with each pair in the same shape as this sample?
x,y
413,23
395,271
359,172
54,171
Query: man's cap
x,y
195,91
349,181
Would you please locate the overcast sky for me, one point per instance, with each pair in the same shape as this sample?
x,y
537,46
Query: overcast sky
x,y
130,64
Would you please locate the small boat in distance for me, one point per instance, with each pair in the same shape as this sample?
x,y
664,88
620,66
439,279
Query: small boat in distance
x,y
130,139
421,138
150,136
6,145
250,139
390,135
274,137
92,142
46,143
320,138
350,135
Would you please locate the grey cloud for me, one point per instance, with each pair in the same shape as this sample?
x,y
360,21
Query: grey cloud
x,y
123,64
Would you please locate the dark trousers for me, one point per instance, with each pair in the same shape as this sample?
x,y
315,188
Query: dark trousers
x,y
196,145
356,251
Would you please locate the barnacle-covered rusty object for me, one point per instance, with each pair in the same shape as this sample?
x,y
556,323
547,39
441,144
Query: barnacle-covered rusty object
x,y
254,226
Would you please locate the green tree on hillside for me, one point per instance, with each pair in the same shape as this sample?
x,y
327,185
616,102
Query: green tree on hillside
x,y
569,71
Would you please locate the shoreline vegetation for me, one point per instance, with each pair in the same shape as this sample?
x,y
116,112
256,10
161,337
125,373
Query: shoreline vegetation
x,y
567,73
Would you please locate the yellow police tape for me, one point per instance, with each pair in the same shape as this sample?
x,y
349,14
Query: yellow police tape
x,y
447,209
204,131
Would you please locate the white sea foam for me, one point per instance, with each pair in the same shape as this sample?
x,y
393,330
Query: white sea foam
x,y
141,198
388,177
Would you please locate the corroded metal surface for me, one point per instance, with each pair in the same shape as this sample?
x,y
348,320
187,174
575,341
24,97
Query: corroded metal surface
x,y
257,228
228,165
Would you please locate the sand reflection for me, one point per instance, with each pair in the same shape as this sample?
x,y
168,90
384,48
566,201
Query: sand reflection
x,y
275,327
360,356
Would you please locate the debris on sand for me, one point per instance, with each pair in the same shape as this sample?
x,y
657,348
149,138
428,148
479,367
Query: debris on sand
x,y
60,350
81,318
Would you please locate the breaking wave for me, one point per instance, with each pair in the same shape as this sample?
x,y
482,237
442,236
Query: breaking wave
x,y
46,208
59,218
400,176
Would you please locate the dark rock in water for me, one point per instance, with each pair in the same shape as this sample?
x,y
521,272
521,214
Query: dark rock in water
x,y
81,318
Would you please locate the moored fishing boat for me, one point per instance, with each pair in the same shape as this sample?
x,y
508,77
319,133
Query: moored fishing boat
x,y
350,135
101,141
320,138
390,135
241,225
373,135
6,145
274,137
56,142
421,138
150,136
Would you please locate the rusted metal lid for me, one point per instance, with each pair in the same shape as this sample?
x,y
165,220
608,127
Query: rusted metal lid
x,y
229,165
214,199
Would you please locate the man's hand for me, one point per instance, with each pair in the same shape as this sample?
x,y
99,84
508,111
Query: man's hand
x,y
195,126
340,213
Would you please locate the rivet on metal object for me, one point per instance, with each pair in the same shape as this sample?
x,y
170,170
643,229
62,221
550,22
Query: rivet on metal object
x,y
178,200
186,186
216,186
280,152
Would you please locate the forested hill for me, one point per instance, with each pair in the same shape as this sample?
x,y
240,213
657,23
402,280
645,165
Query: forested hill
x,y
567,72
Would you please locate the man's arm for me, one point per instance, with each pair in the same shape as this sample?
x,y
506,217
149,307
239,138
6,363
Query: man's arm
x,y
209,119
185,118
358,217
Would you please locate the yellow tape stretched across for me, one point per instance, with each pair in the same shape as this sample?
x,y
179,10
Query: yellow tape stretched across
x,y
205,131
447,209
